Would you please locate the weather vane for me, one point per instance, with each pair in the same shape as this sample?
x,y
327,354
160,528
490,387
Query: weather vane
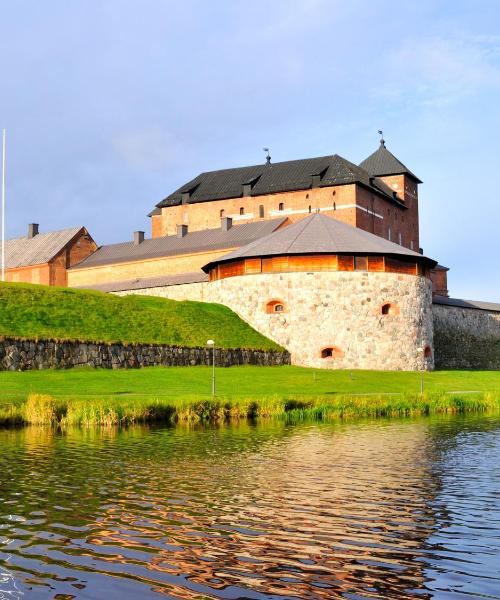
x,y
382,141
268,157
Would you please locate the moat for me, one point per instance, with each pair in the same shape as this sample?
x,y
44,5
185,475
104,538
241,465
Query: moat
x,y
373,509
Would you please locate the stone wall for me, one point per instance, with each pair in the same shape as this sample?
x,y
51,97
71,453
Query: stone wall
x,y
184,291
466,338
340,310
22,355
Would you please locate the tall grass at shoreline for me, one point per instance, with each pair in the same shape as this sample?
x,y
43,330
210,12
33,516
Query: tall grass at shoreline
x,y
43,409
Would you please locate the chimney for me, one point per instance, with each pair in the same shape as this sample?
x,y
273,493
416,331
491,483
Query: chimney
x,y
226,223
182,231
138,237
32,230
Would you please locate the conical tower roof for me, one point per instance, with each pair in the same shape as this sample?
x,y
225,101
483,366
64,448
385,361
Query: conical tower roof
x,y
318,234
382,162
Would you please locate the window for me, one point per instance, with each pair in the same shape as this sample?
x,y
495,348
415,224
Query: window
x,y
389,236
389,308
427,352
400,239
334,206
281,206
275,306
310,208
331,352
361,263
221,213
261,211
242,210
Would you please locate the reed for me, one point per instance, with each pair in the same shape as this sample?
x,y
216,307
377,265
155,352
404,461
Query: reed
x,y
43,409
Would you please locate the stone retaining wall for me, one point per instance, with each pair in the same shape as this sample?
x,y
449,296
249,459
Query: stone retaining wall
x,y
466,338
23,355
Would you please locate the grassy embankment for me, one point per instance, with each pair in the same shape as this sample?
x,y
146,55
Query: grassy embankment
x,y
40,312
96,397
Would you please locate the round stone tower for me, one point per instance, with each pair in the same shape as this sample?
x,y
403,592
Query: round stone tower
x,y
334,295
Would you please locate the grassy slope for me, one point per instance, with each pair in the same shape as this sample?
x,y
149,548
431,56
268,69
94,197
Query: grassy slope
x,y
236,382
33,311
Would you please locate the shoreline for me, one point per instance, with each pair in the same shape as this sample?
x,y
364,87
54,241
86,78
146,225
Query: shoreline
x,y
116,411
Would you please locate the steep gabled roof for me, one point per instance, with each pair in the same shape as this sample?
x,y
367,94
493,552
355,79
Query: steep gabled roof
x,y
319,234
276,177
40,249
382,162
197,241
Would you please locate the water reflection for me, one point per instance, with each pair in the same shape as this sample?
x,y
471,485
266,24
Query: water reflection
x,y
379,509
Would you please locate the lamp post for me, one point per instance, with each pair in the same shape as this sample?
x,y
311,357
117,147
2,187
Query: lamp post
x,y
422,352
211,344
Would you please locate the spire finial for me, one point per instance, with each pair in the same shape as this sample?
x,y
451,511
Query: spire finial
x,y
268,157
382,141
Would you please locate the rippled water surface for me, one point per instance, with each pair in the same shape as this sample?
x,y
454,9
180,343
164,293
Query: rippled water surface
x,y
379,509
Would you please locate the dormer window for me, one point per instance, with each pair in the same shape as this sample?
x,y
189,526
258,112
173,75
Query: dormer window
x,y
185,197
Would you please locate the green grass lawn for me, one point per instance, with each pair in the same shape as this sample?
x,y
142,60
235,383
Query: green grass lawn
x,y
40,312
236,382
94,397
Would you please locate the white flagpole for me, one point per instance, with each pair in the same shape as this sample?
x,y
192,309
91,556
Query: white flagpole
x,y
3,205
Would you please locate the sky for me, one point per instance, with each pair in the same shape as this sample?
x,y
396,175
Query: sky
x,y
110,105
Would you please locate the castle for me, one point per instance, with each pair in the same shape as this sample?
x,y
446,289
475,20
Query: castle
x,y
319,254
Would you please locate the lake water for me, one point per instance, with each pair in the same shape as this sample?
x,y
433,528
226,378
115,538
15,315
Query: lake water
x,y
380,509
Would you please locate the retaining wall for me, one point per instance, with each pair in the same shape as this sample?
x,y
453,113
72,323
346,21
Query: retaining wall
x,y
466,338
23,355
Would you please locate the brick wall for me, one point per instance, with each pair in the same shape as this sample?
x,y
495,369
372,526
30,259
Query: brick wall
x,y
351,204
157,267
31,274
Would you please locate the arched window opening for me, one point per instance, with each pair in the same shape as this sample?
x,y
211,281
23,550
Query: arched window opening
x,y
331,352
261,211
334,206
242,210
221,213
310,208
281,206
389,308
427,352
275,306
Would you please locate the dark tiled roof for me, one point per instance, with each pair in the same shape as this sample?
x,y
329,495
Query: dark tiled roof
x,y
197,241
276,177
24,251
148,282
382,162
319,234
475,304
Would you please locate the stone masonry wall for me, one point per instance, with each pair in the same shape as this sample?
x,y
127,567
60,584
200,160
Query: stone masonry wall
x,y
330,309
466,338
184,291
22,355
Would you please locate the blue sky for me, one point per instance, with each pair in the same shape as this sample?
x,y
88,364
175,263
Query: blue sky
x,y
109,105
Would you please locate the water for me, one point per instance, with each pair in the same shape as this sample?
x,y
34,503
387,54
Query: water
x,y
379,509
